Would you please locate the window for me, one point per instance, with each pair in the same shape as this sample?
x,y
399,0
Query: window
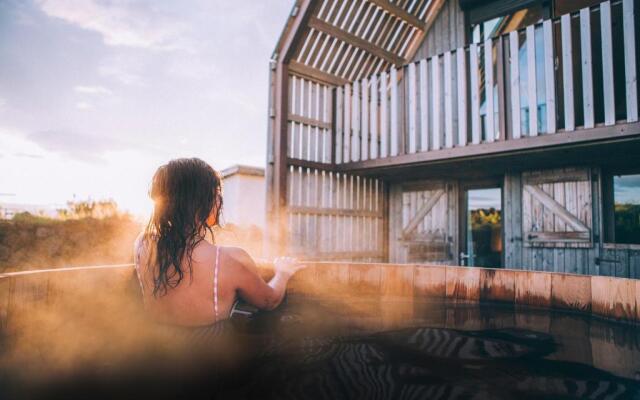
x,y
483,30
621,204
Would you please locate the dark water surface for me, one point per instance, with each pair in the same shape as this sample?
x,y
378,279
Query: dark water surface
x,y
389,349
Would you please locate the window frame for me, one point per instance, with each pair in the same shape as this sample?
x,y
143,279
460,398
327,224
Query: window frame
x,y
608,202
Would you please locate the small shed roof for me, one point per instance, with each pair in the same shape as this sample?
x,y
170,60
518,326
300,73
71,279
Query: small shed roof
x,y
241,170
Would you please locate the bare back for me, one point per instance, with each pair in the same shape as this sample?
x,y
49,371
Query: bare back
x,y
192,301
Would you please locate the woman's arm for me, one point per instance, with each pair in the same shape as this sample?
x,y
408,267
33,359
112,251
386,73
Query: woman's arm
x,y
250,285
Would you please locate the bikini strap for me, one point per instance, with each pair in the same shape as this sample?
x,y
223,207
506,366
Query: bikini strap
x,y
215,283
138,256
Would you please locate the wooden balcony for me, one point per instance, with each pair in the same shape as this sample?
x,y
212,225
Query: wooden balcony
x,y
555,84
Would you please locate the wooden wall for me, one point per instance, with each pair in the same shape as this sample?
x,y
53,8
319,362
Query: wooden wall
x,y
334,216
538,239
558,230
447,32
309,120
593,257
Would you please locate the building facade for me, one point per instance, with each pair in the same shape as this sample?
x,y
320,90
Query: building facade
x,y
244,196
465,132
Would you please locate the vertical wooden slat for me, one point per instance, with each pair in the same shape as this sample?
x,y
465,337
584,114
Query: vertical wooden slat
x,y
373,118
351,203
501,133
475,95
317,154
411,69
311,131
355,122
328,118
291,125
448,102
384,115
628,23
587,69
488,90
514,84
462,96
290,140
607,64
567,73
549,76
364,141
531,81
394,112
304,141
436,131
326,203
337,203
346,142
338,128
424,106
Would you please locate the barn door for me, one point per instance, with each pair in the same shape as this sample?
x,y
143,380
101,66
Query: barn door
x,y
423,228
557,208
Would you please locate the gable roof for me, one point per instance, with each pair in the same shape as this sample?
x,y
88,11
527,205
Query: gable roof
x,y
339,41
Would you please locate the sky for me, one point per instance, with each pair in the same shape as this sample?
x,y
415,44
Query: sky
x,y
96,94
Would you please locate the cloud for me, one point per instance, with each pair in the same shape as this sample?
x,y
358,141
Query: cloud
x,y
126,70
82,105
28,155
121,23
628,181
93,90
80,146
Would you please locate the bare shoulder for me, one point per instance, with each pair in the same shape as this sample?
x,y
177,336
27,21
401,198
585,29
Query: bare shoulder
x,y
204,252
235,254
229,255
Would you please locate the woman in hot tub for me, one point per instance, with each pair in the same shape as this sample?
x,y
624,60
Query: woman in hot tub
x,y
185,280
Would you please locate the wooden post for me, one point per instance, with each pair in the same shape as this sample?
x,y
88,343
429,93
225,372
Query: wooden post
x,y
280,159
280,125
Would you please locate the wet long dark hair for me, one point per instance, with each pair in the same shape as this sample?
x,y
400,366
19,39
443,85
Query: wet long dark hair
x,y
184,192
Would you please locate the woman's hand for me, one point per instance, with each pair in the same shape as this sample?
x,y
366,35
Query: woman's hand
x,y
287,265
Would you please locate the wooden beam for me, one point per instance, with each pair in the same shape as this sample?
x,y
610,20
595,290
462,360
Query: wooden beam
x,y
334,211
598,134
422,212
305,11
354,40
432,12
557,237
399,12
304,71
309,121
308,164
556,208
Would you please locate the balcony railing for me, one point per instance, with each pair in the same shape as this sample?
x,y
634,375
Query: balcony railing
x,y
557,76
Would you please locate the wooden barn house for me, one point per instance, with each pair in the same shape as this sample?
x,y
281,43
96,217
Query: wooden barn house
x,y
482,133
